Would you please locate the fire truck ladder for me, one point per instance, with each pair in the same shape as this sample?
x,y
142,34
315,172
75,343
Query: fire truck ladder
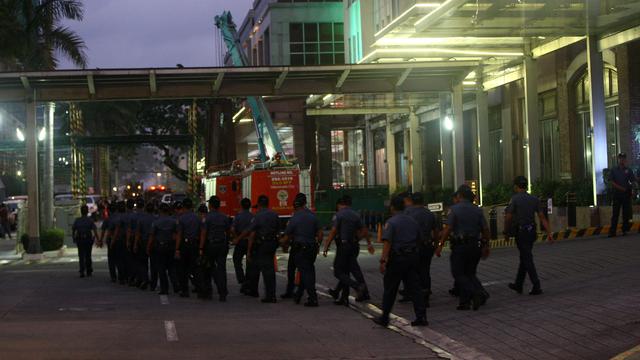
x,y
261,117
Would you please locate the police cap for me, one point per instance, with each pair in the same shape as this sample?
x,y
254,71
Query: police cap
x,y
466,192
214,202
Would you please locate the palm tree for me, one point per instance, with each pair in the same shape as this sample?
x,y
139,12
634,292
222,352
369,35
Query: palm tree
x,y
33,37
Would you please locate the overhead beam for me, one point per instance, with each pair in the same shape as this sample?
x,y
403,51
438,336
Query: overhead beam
x,y
555,45
342,79
403,77
218,83
280,80
494,82
25,82
359,111
91,84
620,38
435,15
153,86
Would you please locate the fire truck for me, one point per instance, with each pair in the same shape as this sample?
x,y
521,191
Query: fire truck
x,y
273,174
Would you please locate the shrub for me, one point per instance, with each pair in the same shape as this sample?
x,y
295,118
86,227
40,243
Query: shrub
x,y
557,190
438,194
52,239
496,194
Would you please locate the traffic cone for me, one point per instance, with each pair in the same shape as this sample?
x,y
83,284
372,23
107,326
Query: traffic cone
x,y
297,281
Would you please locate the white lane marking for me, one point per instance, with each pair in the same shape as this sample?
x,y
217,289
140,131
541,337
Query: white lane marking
x,y
170,330
164,300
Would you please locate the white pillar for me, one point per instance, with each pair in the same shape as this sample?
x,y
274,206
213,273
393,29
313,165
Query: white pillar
x,y
416,153
390,153
532,121
484,157
597,117
48,178
458,136
371,174
446,145
31,135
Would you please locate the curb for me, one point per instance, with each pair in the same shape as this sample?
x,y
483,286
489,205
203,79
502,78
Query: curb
x,y
631,354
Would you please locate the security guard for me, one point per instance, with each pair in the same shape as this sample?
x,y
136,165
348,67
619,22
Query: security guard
x,y
262,246
349,229
187,241
470,242
305,235
84,231
416,210
143,230
291,262
520,215
399,262
105,238
622,179
214,244
241,223
162,245
118,234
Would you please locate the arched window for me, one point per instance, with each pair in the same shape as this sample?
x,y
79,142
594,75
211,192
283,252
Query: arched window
x,y
582,88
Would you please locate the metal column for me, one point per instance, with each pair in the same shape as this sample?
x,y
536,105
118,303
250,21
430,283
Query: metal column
x,y
48,176
446,146
78,173
458,136
31,135
531,121
597,117
192,181
390,154
484,158
416,153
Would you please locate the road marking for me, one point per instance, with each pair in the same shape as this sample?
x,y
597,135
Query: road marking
x,y
627,354
164,300
170,330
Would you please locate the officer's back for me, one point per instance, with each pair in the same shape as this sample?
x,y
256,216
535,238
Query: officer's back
x,y
466,219
242,221
348,223
216,225
424,218
524,207
163,229
83,226
266,223
304,227
145,222
189,224
403,232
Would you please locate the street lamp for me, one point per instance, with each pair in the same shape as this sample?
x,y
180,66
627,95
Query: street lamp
x,y
448,123
19,134
158,174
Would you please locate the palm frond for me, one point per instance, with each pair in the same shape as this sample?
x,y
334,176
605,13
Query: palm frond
x,y
58,10
69,44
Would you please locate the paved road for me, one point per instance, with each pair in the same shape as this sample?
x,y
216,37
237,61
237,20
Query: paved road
x,y
590,310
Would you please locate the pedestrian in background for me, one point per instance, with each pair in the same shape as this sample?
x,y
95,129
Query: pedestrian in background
x,y
84,232
622,180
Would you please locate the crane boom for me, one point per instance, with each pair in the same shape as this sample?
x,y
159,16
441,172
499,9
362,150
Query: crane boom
x,y
261,117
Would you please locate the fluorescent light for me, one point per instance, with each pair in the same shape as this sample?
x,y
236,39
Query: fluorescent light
x,y
469,83
457,41
424,5
327,97
237,115
246,120
450,51
42,134
19,134
448,123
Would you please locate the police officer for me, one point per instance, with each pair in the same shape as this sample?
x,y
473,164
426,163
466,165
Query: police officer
x,y
132,223
305,235
469,243
162,245
427,221
143,230
349,229
214,244
622,180
399,262
262,245
291,262
118,234
105,238
187,242
241,223
84,231
520,215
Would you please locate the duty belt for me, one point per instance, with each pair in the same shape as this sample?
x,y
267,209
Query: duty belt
x,y
527,227
405,251
464,240
263,239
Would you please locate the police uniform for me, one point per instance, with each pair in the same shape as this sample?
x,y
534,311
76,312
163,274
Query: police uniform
x,y
241,223
467,222
216,225
524,207
427,223
83,228
303,229
143,228
118,243
623,176
347,224
132,259
404,234
163,231
265,225
111,260
189,228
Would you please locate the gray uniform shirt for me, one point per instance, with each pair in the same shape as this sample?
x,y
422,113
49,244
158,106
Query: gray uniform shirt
x,y
425,220
402,231
523,207
242,221
303,227
163,230
623,177
82,227
145,221
266,224
348,223
216,225
189,225
466,220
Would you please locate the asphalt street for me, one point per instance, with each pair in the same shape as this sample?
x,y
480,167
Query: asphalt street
x,y
590,310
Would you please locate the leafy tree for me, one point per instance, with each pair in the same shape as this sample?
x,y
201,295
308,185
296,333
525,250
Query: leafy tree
x,y
33,37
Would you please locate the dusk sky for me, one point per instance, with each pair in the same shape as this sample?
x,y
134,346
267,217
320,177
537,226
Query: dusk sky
x,y
152,33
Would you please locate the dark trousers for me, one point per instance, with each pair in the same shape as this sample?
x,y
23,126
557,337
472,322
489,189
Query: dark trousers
x,y
111,262
153,270
217,256
239,252
621,200
142,264
131,265
402,268
120,253
186,265
304,259
346,264
425,255
464,265
264,265
291,270
524,240
84,255
166,269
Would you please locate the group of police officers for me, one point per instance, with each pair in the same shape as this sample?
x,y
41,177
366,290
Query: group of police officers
x,y
187,248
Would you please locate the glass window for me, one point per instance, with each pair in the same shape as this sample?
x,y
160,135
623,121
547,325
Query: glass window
x,y
311,59
338,32
326,47
297,59
326,32
311,32
295,32
313,43
326,59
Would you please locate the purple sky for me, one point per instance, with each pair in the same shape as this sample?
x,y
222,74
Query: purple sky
x,y
152,33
